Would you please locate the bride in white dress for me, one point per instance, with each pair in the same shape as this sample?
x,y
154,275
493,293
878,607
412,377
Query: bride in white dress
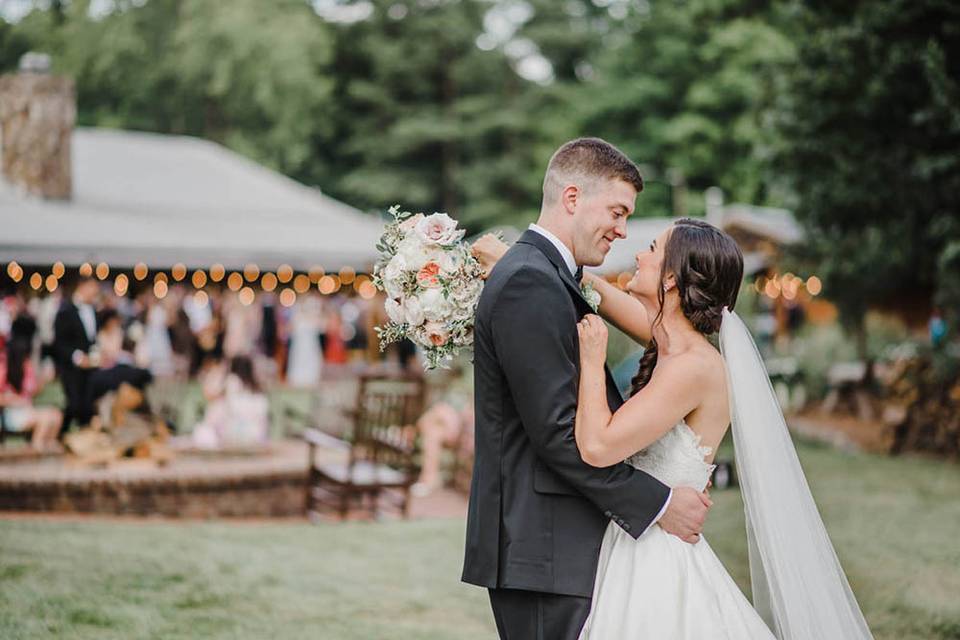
x,y
684,398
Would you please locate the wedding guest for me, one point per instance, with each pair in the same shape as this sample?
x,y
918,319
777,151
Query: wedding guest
x,y
448,424
334,348
305,359
237,409
19,384
155,347
75,332
116,362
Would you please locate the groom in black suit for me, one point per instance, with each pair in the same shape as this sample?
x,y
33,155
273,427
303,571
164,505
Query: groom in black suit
x,y
537,512
75,333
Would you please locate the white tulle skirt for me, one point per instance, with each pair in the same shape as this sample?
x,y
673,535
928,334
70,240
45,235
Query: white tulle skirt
x,y
661,588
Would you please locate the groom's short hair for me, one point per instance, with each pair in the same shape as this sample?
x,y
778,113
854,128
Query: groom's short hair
x,y
584,161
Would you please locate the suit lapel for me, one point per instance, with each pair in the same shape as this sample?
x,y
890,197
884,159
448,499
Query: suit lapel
x,y
550,251
546,247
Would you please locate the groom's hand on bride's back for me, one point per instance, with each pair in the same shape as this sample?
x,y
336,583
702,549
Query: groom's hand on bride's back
x,y
686,514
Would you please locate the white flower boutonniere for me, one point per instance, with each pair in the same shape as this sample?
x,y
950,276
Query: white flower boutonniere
x,y
590,295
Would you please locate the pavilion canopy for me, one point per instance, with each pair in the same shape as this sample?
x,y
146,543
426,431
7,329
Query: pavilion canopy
x,y
164,199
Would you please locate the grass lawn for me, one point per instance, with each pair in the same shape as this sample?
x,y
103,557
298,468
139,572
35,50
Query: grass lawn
x,y
894,523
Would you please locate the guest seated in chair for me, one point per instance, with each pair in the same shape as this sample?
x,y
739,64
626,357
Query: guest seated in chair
x,y
19,385
237,411
114,360
446,424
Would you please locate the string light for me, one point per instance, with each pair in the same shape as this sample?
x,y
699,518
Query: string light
x,y
316,272
160,289
251,272
52,283
86,269
36,280
367,290
347,274
288,297
772,288
268,282
120,285
217,272
235,281
15,271
58,269
179,271
284,273
326,285
199,279
246,296
103,270
140,271
301,283
814,286
201,298
160,276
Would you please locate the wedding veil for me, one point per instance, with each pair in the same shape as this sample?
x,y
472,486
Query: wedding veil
x,y
799,588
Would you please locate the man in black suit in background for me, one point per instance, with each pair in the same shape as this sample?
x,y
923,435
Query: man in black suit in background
x,y
537,512
75,333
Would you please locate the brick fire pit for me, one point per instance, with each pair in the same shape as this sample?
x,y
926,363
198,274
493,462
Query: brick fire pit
x,y
194,485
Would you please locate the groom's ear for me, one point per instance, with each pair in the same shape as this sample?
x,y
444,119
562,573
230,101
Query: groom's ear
x,y
569,198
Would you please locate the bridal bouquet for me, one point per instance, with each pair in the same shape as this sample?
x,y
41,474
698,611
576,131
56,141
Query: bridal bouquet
x,y
432,284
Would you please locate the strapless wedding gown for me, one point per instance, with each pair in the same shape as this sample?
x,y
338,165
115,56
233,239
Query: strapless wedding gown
x,y
658,587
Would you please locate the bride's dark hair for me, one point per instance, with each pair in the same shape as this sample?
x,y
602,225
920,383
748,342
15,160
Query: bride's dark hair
x,y
708,267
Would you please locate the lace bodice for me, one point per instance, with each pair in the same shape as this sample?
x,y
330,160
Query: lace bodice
x,y
676,459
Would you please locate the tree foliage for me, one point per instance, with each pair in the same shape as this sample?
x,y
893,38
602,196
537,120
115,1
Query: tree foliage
x,y
848,112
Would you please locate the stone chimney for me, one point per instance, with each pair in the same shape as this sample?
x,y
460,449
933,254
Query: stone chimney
x,y
37,113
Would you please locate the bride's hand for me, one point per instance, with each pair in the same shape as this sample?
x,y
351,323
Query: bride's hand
x,y
488,250
593,340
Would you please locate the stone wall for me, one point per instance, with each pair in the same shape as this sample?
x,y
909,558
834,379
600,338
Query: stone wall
x,y
37,114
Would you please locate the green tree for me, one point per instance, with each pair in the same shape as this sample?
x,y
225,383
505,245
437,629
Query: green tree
x,y
429,119
687,88
871,124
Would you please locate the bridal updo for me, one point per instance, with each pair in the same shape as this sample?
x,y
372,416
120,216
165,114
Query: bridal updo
x,y
707,266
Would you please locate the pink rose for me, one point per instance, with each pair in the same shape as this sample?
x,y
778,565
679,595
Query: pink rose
x,y
439,228
436,333
427,276
411,222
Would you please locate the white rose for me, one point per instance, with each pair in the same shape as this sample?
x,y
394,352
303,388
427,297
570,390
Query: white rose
x,y
395,268
410,223
435,306
438,228
413,311
394,311
413,252
448,262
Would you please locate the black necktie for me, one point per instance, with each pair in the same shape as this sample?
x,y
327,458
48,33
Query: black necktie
x,y
578,276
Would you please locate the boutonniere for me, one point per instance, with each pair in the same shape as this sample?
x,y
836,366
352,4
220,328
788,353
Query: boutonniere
x,y
590,295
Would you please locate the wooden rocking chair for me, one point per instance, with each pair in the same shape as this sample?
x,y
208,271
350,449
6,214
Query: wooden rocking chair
x,y
380,461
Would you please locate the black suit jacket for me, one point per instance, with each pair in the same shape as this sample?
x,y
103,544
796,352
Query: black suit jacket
x,y
68,335
537,512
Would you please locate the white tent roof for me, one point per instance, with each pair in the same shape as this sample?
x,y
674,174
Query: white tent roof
x,y
642,231
163,199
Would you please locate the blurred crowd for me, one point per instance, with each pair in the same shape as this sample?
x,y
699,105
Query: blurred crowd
x,y
94,342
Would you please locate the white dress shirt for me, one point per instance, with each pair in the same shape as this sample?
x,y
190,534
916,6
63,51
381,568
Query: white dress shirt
x,y
564,250
88,317
571,263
